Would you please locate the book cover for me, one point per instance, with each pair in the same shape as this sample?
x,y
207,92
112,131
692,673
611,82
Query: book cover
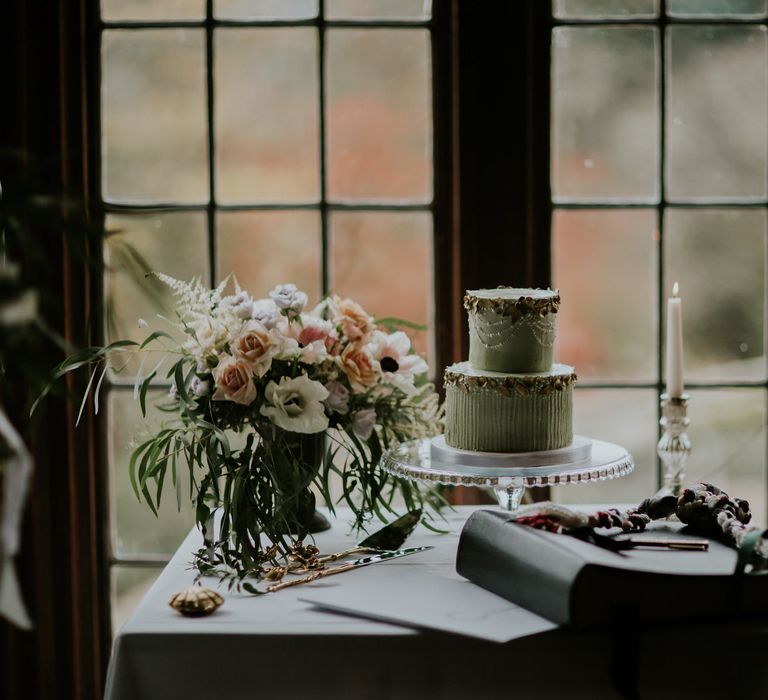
x,y
573,582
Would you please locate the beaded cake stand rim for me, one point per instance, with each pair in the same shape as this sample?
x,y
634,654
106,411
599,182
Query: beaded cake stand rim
x,y
568,475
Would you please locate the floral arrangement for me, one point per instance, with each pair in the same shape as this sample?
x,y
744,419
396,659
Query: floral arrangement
x,y
269,398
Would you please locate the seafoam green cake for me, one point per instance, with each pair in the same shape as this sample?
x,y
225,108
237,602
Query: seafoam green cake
x,y
510,397
508,412
512,329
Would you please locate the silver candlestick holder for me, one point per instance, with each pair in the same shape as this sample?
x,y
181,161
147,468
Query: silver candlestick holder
x,y
674,445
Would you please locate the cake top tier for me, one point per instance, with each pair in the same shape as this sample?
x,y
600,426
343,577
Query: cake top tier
x,y
513,302
512,329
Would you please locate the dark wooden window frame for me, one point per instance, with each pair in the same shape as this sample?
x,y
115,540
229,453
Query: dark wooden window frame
x,y
491,205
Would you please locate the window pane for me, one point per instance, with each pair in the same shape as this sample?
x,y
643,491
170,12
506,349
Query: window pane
x,y
720,8
135,530
383,260
378,9
152,9
605,9
173,243
153,116
129,584
268,248
379,114
605,114
718,256
717,141
267,126
727,432
604,263
265,9
626,417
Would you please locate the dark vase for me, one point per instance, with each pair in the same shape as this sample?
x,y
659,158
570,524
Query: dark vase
x,y
300,512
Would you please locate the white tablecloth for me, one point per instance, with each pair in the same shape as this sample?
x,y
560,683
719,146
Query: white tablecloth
x,y
277,646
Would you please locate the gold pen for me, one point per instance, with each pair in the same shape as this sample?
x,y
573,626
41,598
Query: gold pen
x,y
691,545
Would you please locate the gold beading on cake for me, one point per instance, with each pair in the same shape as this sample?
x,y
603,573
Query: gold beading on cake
x,y
522,386
513,309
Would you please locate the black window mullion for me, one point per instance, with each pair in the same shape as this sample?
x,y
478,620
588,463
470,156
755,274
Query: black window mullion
x,y
324,223
266,23
210,111
660,296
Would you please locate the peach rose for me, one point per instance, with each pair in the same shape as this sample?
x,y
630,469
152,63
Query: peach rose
x,y
234,381
254,345
359,367
356,324
332,344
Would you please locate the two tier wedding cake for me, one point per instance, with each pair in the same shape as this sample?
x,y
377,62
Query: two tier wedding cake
x,y
510,397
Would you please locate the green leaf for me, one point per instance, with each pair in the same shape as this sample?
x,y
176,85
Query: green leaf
x,y
148,499
85,396
162,466
178,376
143,393
176,477
132,465
97,390
154,336
250,588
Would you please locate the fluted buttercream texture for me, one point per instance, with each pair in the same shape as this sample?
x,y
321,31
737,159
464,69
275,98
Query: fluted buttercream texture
x,y
483,419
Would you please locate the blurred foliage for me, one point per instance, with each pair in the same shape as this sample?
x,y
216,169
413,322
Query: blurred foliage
x,y
37,223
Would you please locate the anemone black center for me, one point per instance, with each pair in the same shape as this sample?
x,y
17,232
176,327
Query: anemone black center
x,y
389,364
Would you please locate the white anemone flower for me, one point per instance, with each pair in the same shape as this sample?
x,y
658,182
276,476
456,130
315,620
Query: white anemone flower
x,y
296,404
398,366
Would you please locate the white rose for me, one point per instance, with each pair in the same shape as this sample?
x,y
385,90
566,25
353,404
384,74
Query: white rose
x,y
338,397
289,299
296,404
240,304
265,311
363,422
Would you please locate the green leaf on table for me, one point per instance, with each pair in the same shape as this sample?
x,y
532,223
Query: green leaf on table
x,y
250,588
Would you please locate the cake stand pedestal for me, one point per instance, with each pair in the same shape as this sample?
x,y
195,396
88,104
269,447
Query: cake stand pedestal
x,y
414,460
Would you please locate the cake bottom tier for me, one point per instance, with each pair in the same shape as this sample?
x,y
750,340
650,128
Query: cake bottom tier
x,y
497,412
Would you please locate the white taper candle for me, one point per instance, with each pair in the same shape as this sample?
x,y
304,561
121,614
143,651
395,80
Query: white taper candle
x,y
675,344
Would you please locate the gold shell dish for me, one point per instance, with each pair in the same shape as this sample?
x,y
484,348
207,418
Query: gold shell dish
x,y
196,601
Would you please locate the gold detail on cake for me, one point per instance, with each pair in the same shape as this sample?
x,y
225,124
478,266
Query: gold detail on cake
x,y
521,385
513,309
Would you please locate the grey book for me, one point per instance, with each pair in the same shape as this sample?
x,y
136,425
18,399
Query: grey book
x,y
573,582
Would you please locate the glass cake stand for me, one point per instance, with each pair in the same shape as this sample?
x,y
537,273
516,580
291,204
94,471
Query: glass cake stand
x,y
508,475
